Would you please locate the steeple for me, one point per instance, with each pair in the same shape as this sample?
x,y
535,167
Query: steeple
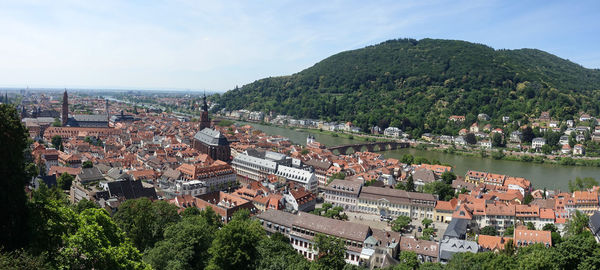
x,y
204,105
65,109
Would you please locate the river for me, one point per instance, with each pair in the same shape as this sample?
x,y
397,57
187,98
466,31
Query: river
x,y
550,176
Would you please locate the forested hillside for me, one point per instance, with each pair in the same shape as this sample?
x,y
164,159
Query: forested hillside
x,y
416,85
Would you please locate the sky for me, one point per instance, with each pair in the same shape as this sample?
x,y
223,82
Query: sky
x,y
217,45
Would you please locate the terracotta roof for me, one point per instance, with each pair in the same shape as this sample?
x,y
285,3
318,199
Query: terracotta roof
x,y
527,237
492,242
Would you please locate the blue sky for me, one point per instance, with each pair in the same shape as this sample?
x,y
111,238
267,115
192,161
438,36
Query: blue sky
x,y
217,45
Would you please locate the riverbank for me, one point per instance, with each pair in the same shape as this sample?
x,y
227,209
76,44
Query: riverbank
x,y
542,175
495,154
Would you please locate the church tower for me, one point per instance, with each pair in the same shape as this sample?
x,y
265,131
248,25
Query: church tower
x,y
204,120
65,109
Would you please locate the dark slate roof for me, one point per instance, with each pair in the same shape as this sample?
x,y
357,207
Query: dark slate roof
x,y
90,117
117,173
456,229
449,247
90,174
49,180
211,137
323,165
130,189
595,223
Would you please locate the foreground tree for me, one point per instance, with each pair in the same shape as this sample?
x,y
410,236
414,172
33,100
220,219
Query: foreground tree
x,y
13,216
64,181
144,221
98,243
235,245
276,253
185,245
331,252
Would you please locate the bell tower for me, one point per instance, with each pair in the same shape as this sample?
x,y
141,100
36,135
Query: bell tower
x,y
204,120
65,109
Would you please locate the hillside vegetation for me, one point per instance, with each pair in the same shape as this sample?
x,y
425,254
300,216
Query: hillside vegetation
x,y
416,85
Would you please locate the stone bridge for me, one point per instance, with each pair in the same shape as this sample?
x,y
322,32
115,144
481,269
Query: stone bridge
x,y
371,147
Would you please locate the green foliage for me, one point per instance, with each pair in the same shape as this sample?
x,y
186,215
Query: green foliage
x,y
64,181
235,245
448,177
442,190
426,222
50,219
225,123
489,230
527,199
509,231
57,141
408,159
331,252
417,85
577,224
340,175
144,221
57,122
276,253
87,164
84,204
470,138
582,184
13,177
498,154
409,259
98,243
185,245
410,184
21,259
427,233
400,223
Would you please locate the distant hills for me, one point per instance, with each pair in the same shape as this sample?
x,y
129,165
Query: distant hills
x,y
417,84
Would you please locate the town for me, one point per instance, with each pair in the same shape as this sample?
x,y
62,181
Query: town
x,y
108,152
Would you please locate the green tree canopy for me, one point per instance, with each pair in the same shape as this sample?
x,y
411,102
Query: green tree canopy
x,y
235,245
144,221
331,252
13,177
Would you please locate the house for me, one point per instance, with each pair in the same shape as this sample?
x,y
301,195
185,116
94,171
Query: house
x,y
457,229
427,137
463,132
566,149
474,128
505,119
460,140
524,237
485,144
392,132
444,210
516,136
427,251
538,142
88,175
343,193
449,247
422,176
376,130
457,118
594,225
570,123
545,116
492,243
584,117
564,139
483,117
579,150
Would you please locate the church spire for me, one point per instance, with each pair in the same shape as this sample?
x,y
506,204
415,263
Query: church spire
x,y
204,105
65,108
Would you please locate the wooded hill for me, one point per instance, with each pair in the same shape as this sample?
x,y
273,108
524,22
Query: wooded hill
x,y
417,84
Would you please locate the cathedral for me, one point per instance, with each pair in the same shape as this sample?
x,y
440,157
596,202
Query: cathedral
x,y
210,141
83,120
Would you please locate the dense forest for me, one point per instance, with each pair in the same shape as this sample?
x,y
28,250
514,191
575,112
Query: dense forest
x,y
417,84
